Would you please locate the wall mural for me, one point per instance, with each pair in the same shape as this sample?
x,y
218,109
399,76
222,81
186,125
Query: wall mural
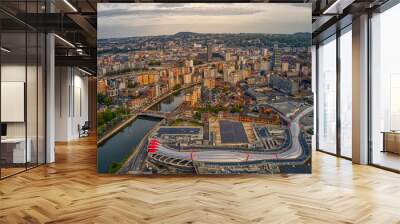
x,y
204,88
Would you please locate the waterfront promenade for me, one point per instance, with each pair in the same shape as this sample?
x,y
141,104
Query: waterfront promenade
x,y
117,128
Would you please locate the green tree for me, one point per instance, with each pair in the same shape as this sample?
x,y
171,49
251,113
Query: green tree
x,y
131,85
197,62
100,119
154,63
107,101
103,99
176,87
108,115
114,167
236,109
197,115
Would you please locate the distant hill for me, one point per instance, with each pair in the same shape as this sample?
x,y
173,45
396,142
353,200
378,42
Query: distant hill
x,y
185,34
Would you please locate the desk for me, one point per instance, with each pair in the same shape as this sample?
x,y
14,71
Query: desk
x,y
13,150
391,141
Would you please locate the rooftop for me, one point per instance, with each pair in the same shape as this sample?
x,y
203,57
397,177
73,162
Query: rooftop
x,y
232,132
167,130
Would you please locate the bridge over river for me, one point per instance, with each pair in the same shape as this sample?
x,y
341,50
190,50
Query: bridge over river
x,y
117,145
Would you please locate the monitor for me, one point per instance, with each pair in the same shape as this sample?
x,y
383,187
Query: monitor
x,y
3,129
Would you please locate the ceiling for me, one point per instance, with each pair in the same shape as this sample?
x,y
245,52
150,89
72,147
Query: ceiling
x,y
75,21
332,15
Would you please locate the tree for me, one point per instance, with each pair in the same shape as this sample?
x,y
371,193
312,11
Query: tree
x,y
100,119
197,115
108,115
103,99
176,87
108,101
235,110
197,62
154,63
114,167
131,85
121,111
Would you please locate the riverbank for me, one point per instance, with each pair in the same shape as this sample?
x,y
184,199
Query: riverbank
x,y
140,148
118,148
134,116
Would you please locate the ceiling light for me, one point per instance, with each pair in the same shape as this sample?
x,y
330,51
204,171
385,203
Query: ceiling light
x,y
331,7
79,51
337,7
5,50
70,5
86,72
64,40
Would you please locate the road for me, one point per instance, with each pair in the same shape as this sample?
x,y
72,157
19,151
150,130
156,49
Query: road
x,y
293,152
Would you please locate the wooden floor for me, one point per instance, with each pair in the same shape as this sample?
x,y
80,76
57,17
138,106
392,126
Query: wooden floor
x,y
386,159
70,191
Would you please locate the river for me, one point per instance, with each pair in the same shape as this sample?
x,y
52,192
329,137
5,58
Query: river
x,y
120,146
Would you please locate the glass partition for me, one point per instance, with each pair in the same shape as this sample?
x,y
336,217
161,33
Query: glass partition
x,y
346,92
14,153
22,88
385,89
327,95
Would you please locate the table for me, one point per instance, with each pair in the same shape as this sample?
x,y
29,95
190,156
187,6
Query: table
x,y
13,150
391,141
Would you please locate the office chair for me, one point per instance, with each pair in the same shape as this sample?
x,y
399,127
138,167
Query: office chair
x,y
84,130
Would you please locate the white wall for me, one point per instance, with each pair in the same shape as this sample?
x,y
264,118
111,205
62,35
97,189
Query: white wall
x,y
13,73
71,102
33,126
62,81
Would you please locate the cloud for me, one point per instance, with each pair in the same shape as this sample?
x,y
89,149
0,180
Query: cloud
x,y
181,11
147,19
302,5
171,5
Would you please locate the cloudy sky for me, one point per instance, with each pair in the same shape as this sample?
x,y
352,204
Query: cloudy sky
x,y
145,19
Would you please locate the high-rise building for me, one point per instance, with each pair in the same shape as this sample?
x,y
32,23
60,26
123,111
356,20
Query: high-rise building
x,y
196,95
171,80
235,77
212,73
188,63
264,65
187,98
102,86
209,83
297,67
187,79
227,72
285,67
158,90
227,56
209,51
277,57
265,52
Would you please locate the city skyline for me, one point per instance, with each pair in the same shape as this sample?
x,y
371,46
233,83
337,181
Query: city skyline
x,y
204,89
184,31
130,20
